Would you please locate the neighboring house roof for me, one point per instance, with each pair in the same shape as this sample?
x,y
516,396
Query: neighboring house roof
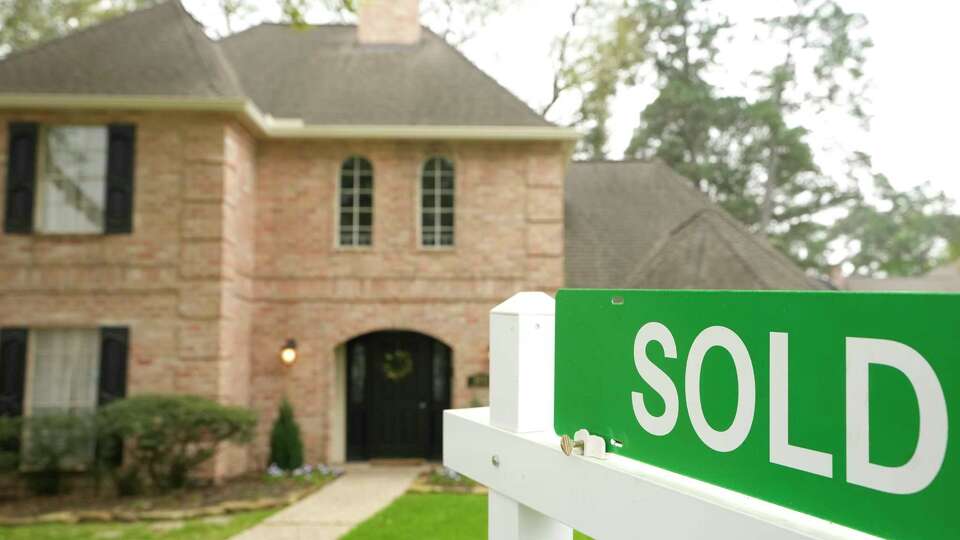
x,y
317,74
638,224
943,279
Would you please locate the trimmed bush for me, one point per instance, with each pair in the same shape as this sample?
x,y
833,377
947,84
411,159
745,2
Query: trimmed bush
x,y
286,447
53,445
167,437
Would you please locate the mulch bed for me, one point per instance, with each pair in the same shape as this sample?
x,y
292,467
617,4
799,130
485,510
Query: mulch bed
x,y
436,481
255,492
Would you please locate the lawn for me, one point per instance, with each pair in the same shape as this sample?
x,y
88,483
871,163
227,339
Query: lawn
x,y
438,516
214,528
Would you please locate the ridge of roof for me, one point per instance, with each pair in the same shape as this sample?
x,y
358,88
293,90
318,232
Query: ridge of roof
x,y
191,34
756,239
463,58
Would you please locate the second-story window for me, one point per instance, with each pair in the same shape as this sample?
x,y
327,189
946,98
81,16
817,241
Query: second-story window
x,y
69,179
356,203
73,176
436,204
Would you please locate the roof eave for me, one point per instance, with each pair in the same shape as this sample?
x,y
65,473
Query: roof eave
x,y
285,128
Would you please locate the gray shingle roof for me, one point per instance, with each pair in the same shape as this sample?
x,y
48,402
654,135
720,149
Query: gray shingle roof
x,y
319,74
638,224
159,51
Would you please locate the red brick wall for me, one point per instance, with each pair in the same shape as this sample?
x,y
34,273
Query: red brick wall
x,y
509,237
233,252
180,281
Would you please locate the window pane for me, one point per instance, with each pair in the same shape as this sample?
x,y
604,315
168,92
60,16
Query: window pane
x,y
356,202
428,181
446,167
429,238
429,218
73,179
63,380
446,201
446,219
446,238
446,182
427,201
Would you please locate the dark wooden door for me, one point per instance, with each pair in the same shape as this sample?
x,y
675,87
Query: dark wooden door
x,y
402,382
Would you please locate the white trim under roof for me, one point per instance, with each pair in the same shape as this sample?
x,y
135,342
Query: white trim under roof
x,y
285,128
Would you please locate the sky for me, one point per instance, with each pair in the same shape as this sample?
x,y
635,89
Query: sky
x,y
913,68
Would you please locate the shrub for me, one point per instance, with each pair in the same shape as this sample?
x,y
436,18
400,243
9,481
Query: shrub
x,y
55,444
9,444
286,447
169,437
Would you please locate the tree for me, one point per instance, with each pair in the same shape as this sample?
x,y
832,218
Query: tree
x,y
894,233
24,23
821,31
286,447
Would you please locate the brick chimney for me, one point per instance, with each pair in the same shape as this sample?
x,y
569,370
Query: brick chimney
x,y
389,22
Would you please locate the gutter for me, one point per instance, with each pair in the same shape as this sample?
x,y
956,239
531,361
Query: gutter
x,y
284,128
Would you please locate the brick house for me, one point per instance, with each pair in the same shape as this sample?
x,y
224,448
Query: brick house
x,y
178,210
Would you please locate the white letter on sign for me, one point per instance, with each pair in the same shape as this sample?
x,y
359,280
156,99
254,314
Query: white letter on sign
x,y
656,378
733,437
927,459
781,451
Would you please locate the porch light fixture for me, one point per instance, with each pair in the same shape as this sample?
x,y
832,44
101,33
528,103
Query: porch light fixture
x,y
288,354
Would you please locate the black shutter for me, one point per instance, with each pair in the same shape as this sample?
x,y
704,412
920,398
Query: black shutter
x,y
118,216
21,178
113,364
13,369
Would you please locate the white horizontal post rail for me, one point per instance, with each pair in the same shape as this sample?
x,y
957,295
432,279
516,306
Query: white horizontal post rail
x,y
538,493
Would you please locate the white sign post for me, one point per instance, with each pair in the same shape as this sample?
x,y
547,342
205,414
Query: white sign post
x,y
538,493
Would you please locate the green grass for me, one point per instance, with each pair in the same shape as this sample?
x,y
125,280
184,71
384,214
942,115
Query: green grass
x,y
438,516
195,529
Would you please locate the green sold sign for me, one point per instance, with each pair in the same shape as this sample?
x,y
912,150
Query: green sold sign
x,y
839,405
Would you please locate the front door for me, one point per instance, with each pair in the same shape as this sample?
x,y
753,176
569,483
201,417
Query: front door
x,y
397,390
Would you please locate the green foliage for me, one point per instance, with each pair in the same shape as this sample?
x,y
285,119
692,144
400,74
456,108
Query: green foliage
x,y
168,437
286,446
24,23
898,233
9,444
54,445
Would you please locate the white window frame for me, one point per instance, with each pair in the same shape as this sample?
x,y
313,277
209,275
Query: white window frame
x,y
356,209
438,209
40,208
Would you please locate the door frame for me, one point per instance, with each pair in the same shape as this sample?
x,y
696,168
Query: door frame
x,y
359,415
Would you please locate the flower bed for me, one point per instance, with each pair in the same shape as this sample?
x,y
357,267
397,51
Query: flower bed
x,y
444,480
252,492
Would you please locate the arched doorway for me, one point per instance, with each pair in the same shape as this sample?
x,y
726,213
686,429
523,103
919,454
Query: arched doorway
x,y
398,384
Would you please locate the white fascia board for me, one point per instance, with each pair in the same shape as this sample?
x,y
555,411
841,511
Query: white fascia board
x,y
285,128
617,497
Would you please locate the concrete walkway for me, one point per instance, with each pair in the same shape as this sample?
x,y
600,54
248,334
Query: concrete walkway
x,y
329,513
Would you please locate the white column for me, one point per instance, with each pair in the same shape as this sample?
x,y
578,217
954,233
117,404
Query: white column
x,y
521,401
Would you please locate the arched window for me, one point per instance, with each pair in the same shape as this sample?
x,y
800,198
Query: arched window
x,y
356,202
436,203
